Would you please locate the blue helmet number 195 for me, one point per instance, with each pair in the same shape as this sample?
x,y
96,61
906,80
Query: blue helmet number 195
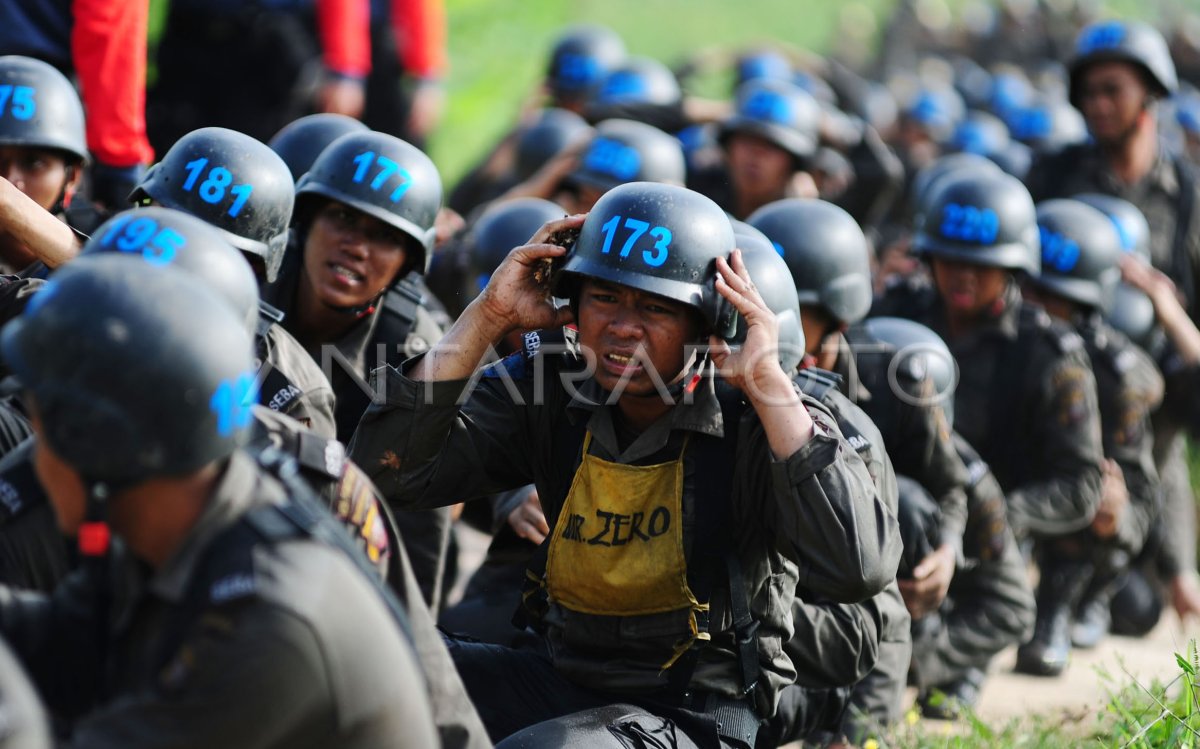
x,y
653,256
17,102
133,233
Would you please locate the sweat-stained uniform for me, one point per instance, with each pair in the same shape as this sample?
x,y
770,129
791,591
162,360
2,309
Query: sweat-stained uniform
x,y
397,327
812,520
251,635
1026,400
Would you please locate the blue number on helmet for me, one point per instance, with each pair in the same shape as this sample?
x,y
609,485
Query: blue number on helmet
x,y
654,256
621,86
132,233
1031,123
213,188
233,403
768,106
614,158
1059,252
1123,233
17,102
966,223
577,70
387,170
1101,36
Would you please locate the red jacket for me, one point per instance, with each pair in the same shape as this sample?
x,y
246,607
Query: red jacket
x,y
419,26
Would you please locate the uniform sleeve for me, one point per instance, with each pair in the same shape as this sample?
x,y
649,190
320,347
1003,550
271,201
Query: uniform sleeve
x,y
423,450
420,29
823,511
925,452
1129,440
108,45
835,644
1066,429
343,27
257,680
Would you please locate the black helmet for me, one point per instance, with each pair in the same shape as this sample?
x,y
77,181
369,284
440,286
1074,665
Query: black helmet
x,y
386,178
41,108
504,226
982,219
639,80
771,277
762,64
1048,126
662,239
1129,221
981,133
826,252
168,238
1125,41
581,59
1080,249
150,373
299,143
554,131
922,356
931,175
626,151
233,182
779,112
937,109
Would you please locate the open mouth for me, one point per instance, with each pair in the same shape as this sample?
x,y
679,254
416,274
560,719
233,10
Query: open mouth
x,y
622,364
345,274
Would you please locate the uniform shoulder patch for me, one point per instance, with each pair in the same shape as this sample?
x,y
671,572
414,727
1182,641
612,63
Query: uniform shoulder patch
x,y
232,587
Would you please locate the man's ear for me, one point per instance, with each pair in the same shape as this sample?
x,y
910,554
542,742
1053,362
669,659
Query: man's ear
x,y
71,186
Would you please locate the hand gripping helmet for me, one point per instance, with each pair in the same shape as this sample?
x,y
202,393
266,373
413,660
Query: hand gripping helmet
x,y
41,108
626,151
639,80
233,182
1136,43
504,226
150,373
1080,249
922,355
825,251
299,143
581,59
554,131
166,238
778,112
660,239
384,177
771,277
980,219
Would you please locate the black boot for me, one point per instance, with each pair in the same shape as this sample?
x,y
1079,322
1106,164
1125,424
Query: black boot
x,y
947,701
1061,586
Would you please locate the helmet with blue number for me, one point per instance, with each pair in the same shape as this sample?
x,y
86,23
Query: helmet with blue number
x,y
1048,125
503,226
1133,42
39,108
163,237
232,181
1131,311
1080,250
300,142
554,131
762,64
980,133
780,113
938,110
581,59
926,182
151,373
980,219
639,80
923,356
661,239
825,251
1129,221
384,177
773,280
626,151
